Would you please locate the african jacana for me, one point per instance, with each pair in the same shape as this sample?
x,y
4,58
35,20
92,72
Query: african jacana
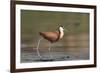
x,y
51,37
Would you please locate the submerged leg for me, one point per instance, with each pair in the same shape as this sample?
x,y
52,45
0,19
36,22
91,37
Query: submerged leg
x,y
38,53
51,57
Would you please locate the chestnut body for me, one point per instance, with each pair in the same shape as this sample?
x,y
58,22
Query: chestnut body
x,y
51,36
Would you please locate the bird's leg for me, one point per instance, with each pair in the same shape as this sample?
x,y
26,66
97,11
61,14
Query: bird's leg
x,y
50,50
38,53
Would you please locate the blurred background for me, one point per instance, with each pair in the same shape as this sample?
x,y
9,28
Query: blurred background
x,y
73,46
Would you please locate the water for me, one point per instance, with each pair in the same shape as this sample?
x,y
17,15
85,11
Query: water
x,y
31,56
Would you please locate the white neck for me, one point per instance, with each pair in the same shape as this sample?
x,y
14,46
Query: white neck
x,y
61,33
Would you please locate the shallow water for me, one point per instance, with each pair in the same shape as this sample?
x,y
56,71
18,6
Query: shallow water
x,y
31,56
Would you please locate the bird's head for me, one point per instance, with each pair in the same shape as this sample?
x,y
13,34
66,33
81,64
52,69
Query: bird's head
x,y
61,28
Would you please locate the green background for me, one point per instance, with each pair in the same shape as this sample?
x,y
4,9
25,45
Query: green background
x,y
32,22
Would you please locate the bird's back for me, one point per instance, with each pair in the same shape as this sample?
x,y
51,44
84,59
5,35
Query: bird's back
x,y
50,36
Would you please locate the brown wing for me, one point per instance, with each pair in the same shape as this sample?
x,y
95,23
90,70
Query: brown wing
x,y
51,36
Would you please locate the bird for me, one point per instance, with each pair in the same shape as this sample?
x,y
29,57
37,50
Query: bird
x,y
52,37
